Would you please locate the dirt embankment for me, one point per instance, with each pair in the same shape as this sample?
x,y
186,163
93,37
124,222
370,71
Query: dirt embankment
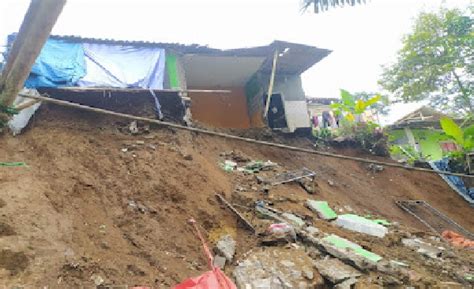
x,y
95,201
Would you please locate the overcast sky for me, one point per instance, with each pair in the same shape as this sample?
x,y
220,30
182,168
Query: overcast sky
x,y
362,38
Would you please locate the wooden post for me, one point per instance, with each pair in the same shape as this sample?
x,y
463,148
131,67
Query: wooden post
x,y
270,85
34,31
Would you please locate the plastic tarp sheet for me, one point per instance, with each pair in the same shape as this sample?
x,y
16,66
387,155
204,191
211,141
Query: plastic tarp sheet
x,y
59,63
455,182
123,66
19,121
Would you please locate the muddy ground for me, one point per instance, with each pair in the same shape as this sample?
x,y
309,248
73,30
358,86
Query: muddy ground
x,y
97,202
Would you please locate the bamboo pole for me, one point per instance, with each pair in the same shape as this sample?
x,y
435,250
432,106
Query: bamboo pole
x,y
125,89
26,104
234,137
270,85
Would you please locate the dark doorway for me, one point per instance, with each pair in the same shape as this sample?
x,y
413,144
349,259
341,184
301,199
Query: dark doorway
x,y
276,112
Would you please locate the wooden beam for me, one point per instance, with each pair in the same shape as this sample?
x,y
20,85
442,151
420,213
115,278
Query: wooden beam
x,y
34,31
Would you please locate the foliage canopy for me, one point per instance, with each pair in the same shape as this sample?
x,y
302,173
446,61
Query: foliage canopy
x,y
436,62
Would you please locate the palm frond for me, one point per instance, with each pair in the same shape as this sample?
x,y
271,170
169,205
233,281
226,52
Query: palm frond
x,y
324,5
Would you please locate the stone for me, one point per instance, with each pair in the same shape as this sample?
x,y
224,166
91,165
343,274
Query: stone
x,y
423,248
375,168
348,284
336,271
219,261
293,220
277,268
322,209
309,185
287,263
97,279
362,225
312,230
226,247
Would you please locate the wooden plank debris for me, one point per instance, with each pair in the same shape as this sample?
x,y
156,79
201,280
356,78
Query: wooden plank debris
x,y
237,213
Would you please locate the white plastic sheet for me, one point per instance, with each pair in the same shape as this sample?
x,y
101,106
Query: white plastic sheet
x,y
123,66
20,121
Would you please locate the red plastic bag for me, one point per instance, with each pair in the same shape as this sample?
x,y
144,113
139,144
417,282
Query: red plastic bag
x,y
214,279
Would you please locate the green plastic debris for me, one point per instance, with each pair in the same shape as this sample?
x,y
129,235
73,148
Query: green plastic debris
x,y
228,166
342,243
322,209
12,164
469,277
382,222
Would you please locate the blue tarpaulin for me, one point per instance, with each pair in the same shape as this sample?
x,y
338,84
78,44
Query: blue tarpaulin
x,y
123,66
454,182
59,64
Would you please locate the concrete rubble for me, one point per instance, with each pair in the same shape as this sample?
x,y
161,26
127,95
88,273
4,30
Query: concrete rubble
x,y
277,268
423,248
344,250
362,225
322,209
219,262
294,220
225,247
335,271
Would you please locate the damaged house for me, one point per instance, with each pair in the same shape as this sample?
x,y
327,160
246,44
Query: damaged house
x,y
213,87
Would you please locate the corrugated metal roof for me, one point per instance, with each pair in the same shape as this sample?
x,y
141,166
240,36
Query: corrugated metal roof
x,y
296,59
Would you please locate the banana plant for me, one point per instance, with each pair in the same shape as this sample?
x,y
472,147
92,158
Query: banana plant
x,y
463,137
350,107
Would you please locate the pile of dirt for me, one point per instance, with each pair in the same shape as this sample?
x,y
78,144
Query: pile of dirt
x,y
96,204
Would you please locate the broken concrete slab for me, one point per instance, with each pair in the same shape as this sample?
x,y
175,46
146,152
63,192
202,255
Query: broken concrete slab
x,y
322,209
335,271
277,268
293,220
345,250
423,248
362,225
312,230
226,247
348,284
219,261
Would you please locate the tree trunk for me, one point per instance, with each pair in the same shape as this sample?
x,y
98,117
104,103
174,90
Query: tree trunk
x,y
34,31
464,93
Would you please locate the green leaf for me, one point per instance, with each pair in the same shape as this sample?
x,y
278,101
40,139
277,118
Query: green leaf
x,y
347,98
359,107
469,137
373,100
452,129
350,117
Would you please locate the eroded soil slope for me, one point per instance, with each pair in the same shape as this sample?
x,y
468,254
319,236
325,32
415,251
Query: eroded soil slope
x,y
97,202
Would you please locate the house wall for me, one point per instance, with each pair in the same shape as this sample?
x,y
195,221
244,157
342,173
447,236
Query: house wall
x,y
174,77
223,110
294,99
427,139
